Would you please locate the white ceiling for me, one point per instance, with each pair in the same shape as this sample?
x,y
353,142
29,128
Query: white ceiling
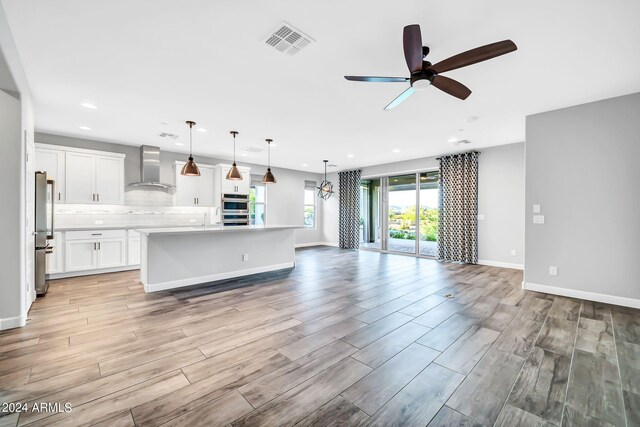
x,y
144,62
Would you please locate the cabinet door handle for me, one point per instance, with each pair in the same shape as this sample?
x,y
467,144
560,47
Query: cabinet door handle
x,y
93,197
95,246
59,196
98,196
197,200
99,244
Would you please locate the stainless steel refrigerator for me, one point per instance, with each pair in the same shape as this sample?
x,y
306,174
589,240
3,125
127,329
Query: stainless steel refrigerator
x,y
44,224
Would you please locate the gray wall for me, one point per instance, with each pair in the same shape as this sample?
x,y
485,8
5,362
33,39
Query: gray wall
x,y
582,167
500,200
285,200
16,252
10,148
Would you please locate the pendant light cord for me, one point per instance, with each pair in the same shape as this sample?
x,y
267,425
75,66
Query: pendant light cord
x,y
190,140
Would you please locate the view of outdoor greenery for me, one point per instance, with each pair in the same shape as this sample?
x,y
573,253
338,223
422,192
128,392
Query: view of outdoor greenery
x,y
402,223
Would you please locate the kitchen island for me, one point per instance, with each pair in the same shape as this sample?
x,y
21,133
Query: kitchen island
x,y
184,256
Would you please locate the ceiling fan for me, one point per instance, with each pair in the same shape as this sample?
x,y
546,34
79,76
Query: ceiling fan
x,y
424,74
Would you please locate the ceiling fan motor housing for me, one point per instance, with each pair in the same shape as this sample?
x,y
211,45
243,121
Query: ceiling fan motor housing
x,y
422,79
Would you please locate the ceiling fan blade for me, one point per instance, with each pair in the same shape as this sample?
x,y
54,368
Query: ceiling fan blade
x,y
376,79
474,56
412,42
452,87
404,95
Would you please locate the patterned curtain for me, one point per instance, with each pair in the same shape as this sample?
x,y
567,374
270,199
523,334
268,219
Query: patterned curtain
x,y
349,228
458,206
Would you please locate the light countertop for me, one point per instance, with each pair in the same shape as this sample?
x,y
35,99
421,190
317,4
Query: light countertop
x,y
214,229
125,227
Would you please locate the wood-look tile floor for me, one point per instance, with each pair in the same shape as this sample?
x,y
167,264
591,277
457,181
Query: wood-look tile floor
x,y
345,338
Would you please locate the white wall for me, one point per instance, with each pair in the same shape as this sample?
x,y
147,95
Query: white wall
x,y
500,200
17,109
582,168
285,199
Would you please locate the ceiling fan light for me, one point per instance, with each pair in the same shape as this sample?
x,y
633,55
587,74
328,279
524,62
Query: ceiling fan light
x,y
234,173
268,177
190,168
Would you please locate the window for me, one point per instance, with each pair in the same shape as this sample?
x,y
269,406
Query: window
x,y
310,204
257,204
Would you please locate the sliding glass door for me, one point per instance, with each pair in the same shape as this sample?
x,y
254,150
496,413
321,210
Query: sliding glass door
x,y
400,214
401,227
428,214
370,205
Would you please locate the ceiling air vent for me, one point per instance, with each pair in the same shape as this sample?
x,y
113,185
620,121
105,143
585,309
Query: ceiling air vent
x,y
169,135
287,39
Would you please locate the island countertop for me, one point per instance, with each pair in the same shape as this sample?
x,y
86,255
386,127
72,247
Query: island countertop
x,y
213,229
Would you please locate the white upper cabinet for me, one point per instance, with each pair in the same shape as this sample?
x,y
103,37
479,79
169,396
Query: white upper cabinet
x,y
194,190
228,186
110,180
205,186
83,176
52,162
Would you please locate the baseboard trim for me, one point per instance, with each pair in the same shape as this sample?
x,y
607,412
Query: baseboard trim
x,y
501,264
591,296
12,322
307,245
68,274
163,286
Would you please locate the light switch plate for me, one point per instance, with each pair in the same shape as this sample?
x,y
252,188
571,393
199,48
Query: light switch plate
x,y
538,219
553,270
536,209
480,217
99,222
513,252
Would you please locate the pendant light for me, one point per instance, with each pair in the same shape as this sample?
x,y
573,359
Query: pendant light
x,y
268,177
190,168
325,190
234,173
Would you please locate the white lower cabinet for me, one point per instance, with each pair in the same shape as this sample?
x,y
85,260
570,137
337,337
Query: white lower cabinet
x,y
134,248
91,250
112,253
55,259
81,255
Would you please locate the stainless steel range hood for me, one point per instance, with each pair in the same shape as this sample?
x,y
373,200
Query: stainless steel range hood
x,y
150,169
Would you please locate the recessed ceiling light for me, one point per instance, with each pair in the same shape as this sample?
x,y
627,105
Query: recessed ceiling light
x,y
84,127
179,144
164,123
201,130
396,150
304,165
89,105
349,155
452,140
243,154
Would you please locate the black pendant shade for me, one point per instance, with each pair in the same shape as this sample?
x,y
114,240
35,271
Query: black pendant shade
x,y
190,168
234,173
268,177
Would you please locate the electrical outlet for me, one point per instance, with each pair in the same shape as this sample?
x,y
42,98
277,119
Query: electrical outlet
x,y
245,257
513,252
480,217
553,270
536,209
538,219
99,222
192,220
